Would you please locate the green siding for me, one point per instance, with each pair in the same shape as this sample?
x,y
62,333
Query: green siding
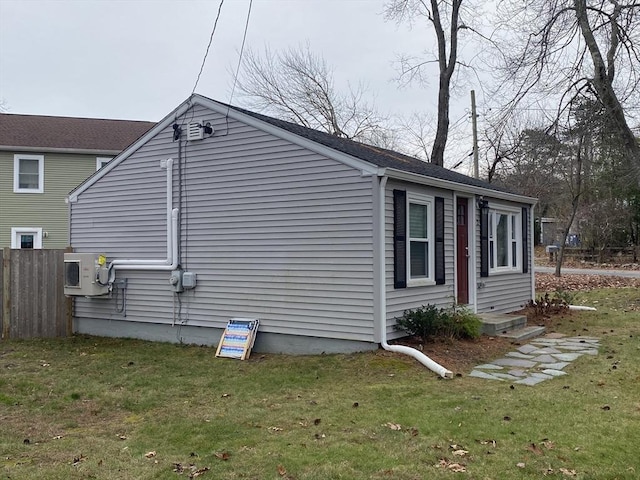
x,y
48,210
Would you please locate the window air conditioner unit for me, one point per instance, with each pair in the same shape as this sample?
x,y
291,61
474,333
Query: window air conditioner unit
x,y
85,274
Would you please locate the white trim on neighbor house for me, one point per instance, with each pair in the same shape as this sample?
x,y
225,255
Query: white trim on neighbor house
x,y
17,158
85,151
101,162
429,277
513,239
18,232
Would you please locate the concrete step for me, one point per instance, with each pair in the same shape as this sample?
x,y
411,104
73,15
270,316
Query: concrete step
x,y
496,323
524,333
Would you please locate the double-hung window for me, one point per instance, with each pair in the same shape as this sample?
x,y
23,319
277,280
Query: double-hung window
x,y
102,161
420,245
28,173
418,239
504,240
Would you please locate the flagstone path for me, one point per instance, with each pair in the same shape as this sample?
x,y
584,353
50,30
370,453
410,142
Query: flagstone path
x,y
541,359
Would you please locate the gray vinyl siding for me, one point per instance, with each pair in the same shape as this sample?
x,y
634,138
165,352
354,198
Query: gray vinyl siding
x,y
47,210
272,230
400,299
503,292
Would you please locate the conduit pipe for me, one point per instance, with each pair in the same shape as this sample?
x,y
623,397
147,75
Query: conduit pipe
x,y
382,296
171,262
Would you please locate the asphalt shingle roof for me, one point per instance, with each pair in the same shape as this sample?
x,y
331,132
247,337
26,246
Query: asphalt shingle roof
x,y
39,131
375,155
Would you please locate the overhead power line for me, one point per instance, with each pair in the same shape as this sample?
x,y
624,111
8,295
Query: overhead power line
x,y
206,53
244,38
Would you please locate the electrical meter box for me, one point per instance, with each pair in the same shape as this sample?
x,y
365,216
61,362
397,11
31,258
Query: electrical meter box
x,y
85,274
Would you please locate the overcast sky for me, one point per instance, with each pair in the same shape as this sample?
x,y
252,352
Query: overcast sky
x,y
138,59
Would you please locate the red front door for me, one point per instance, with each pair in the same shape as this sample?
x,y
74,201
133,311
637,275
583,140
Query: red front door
x,y
462,250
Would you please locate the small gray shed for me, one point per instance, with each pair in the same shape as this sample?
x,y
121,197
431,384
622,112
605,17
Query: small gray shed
x,y
323,239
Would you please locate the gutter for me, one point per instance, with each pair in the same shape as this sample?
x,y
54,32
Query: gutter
x,y
381,294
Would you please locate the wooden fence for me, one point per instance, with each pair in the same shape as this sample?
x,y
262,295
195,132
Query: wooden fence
x,y
32,301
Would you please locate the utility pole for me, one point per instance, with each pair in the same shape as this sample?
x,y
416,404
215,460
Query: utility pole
x,y
474,126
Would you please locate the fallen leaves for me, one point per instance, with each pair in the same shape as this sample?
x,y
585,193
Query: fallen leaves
x,y
547,282
393,426
193,470
452,466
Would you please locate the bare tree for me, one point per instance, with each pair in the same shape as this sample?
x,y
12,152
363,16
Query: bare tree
x,y
553,51
298,86
445,17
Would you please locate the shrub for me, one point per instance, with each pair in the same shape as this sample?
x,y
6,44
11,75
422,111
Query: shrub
x,y
430,321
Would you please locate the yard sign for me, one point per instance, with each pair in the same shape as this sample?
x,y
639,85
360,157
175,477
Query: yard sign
x,y
238,338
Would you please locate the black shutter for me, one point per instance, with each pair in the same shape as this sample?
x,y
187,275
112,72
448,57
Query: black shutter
x,y
525,240
484,238
439,234
399,239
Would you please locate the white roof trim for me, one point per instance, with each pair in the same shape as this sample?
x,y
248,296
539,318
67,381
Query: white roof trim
x,y
365,167
458,187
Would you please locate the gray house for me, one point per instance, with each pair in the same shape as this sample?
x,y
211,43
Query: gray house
x,y
220,213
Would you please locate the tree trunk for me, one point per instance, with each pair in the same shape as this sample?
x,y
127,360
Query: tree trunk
x,y
603,83
446,66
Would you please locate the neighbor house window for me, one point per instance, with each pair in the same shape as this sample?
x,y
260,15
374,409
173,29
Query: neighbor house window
x,y
504,240
102,161
28,173
26,237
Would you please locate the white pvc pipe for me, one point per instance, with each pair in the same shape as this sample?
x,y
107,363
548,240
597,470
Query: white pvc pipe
x,y
171,231
582,308
382,295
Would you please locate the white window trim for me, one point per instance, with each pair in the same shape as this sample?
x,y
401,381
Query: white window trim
x,y
102,161
427,200
493,246
17,231
16,173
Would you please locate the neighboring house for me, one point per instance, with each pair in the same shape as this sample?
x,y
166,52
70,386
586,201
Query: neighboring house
x,y
322,239
42,159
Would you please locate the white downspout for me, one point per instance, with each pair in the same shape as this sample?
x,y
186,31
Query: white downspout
x,y
382,294
532,253
171,262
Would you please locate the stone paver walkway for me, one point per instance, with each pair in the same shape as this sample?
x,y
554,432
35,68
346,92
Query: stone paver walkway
x,y
539,360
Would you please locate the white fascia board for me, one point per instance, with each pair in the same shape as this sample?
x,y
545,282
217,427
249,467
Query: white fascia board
x,y
458,187
161,125
79,151
353,162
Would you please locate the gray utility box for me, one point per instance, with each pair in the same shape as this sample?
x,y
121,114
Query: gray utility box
x,y
85,275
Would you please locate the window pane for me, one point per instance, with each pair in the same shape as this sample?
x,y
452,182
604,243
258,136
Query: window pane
x,y
419,259
26,241
417,221
503,240
28,175
513,227
514,257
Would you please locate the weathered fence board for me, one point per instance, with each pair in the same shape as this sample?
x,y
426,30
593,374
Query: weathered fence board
x,y
32,294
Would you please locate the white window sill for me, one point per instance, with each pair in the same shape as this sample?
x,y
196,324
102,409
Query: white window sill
x,y
420,282
505,271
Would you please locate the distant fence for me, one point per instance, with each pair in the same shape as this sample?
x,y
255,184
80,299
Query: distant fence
x,y
618,255
32,301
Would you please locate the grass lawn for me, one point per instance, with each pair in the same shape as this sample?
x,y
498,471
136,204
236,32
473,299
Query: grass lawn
x,y
87,407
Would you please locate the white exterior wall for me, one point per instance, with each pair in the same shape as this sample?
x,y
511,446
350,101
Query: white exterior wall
x,y
401,299
273,231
